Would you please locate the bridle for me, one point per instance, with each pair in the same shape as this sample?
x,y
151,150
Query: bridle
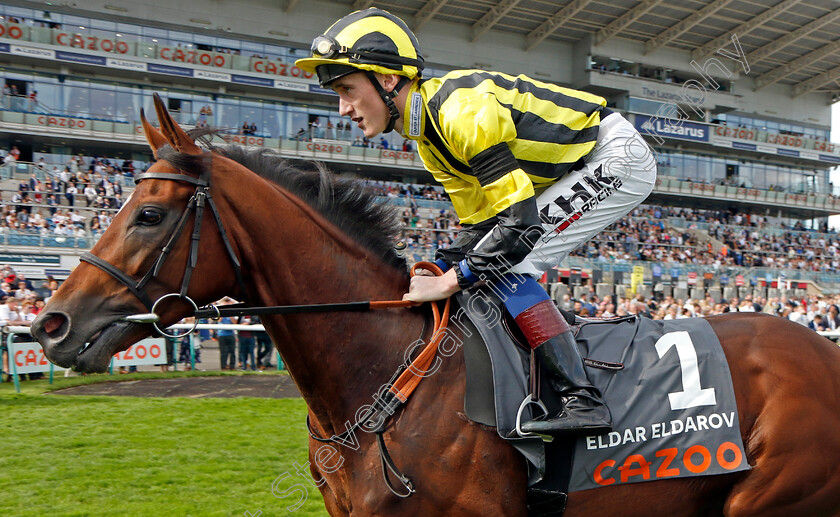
x,y
200,199
402,383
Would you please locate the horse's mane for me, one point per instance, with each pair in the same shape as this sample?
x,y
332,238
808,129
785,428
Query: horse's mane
x,y
346,203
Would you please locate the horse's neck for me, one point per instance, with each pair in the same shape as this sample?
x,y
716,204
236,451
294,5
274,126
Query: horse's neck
x,y
338,359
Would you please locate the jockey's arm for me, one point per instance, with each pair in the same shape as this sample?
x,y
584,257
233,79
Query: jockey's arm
x,y
478,128
489,249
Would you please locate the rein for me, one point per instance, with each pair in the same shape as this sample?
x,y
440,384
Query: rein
x,y
402,384
216,312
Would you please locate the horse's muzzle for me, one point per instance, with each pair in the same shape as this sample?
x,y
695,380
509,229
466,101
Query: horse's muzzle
x,y
51,330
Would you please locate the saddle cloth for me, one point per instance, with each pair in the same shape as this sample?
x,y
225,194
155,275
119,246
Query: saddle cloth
x,y
673,405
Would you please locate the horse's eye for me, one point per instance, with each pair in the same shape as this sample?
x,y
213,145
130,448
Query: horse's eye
x,y
149,216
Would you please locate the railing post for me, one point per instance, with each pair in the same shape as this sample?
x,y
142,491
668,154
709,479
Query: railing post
x,y
12,365
175,349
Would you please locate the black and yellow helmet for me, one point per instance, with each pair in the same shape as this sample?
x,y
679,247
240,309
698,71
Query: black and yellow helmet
x,y
370,40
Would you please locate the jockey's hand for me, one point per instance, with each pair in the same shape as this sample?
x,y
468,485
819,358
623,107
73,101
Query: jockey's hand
x,y
424,288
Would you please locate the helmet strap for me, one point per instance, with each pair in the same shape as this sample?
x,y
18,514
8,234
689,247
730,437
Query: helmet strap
x,y
388,97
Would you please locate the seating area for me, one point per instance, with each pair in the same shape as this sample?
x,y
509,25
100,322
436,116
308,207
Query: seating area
x,y
68,205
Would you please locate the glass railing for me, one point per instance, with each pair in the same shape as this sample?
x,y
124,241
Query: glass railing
x,y
46,240
419,202
763,196
24,170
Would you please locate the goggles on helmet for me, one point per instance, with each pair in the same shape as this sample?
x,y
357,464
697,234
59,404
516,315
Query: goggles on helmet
x,y
327,47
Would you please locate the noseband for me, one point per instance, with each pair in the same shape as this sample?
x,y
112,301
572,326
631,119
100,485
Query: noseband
x,y
200,199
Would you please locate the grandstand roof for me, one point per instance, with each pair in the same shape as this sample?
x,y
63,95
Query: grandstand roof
x,y
795,42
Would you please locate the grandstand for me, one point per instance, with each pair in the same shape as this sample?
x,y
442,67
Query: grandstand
x,y
734,96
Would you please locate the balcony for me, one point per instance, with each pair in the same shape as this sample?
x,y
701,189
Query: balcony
x,y
709,196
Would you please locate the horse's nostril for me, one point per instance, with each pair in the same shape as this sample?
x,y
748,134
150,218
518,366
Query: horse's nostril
x,y
55,325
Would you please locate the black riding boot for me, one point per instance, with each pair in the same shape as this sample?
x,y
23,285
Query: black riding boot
x,y
584,411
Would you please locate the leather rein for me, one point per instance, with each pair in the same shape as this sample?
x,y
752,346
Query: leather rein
x,y
403,382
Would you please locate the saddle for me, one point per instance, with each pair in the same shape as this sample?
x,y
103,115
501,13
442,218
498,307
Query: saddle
x,y
665,422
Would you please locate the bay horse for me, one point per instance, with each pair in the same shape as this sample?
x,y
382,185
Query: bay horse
x,y
301,237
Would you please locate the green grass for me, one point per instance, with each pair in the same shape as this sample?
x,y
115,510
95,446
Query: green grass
x,y
127,456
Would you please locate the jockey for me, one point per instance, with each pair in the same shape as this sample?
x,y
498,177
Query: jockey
x,y
533,170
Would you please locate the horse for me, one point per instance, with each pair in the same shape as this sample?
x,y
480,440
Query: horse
x,y
288,236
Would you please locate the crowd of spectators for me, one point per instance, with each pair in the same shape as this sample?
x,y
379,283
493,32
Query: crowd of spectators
x,y
248,129
424,230
718,239
20,299
53,205
343,131
408,190
737,239
820,313
19,100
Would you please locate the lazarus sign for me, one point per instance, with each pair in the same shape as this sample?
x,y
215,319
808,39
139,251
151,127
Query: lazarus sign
x,y
683,130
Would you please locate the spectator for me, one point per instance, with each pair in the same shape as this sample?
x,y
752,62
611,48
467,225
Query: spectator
x,y
15,153
797,314
70,194
227,342
90,194
10,313
264,346
832,320
315,128
184,356
22,292
27,312
818,323
246,345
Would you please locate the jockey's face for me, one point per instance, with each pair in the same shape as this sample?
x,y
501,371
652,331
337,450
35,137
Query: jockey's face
x,y
359,100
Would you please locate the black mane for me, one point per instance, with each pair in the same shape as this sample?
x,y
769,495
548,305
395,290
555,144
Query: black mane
x,y
346,203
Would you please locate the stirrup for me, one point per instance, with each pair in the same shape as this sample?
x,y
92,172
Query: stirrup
x,y
529,399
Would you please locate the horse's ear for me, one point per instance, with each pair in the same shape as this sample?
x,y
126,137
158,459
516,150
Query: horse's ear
x,y
177,137
153,136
